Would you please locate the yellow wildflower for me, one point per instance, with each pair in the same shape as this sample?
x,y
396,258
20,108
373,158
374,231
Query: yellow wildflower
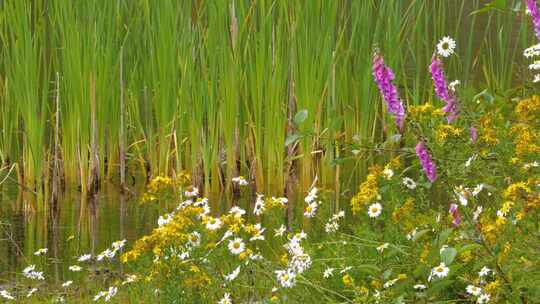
x,y
446,130
347,280
368,190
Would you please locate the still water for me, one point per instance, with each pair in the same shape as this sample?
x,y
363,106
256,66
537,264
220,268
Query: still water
x,y
78,227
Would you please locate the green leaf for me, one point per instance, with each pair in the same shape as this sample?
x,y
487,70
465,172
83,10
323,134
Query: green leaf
x,y
493,5
300,116
448,255
443,236
485,95
371,269
419,234
470,247
292,138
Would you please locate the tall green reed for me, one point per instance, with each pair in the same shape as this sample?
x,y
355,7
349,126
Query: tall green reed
x,y
212,86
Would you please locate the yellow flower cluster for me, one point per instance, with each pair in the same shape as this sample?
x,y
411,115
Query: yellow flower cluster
x,y
488,125
426,109
516,190
403,216
526,139
446,130
527,133
493,288
368,190
161,186
489,230
528,110
176,232
466,256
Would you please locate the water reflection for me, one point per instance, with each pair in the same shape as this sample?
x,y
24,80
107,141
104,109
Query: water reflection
x,y
74,227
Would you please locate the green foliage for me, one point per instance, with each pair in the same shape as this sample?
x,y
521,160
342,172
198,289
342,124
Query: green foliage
x,y
210,86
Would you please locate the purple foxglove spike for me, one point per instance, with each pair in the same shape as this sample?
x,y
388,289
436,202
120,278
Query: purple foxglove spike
x,y
427,163
439,80
535,14
441,89
383,77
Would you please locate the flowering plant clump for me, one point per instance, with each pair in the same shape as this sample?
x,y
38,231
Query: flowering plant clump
x,y
449,214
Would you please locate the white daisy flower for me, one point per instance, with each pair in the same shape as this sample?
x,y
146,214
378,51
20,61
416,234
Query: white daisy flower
x,y
280,231
374,210
484,271
286,278
130,279
236,246
446,46
390,283
107,253
6,295
409,183
31,292
240,180
110,293
231,276
194,239
84,258
477,213
67,284
311,209
75,268
331,227
532,51
257,233
328,272
452,85
411,234
41,251
477,189
30,273
473,290
536,78
191,191
119,244
312,195
382,247
470,159
535,65
462,195
419,286
440,271
483,298
164,220
213,223
237,211
259,207
226,299
388,173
